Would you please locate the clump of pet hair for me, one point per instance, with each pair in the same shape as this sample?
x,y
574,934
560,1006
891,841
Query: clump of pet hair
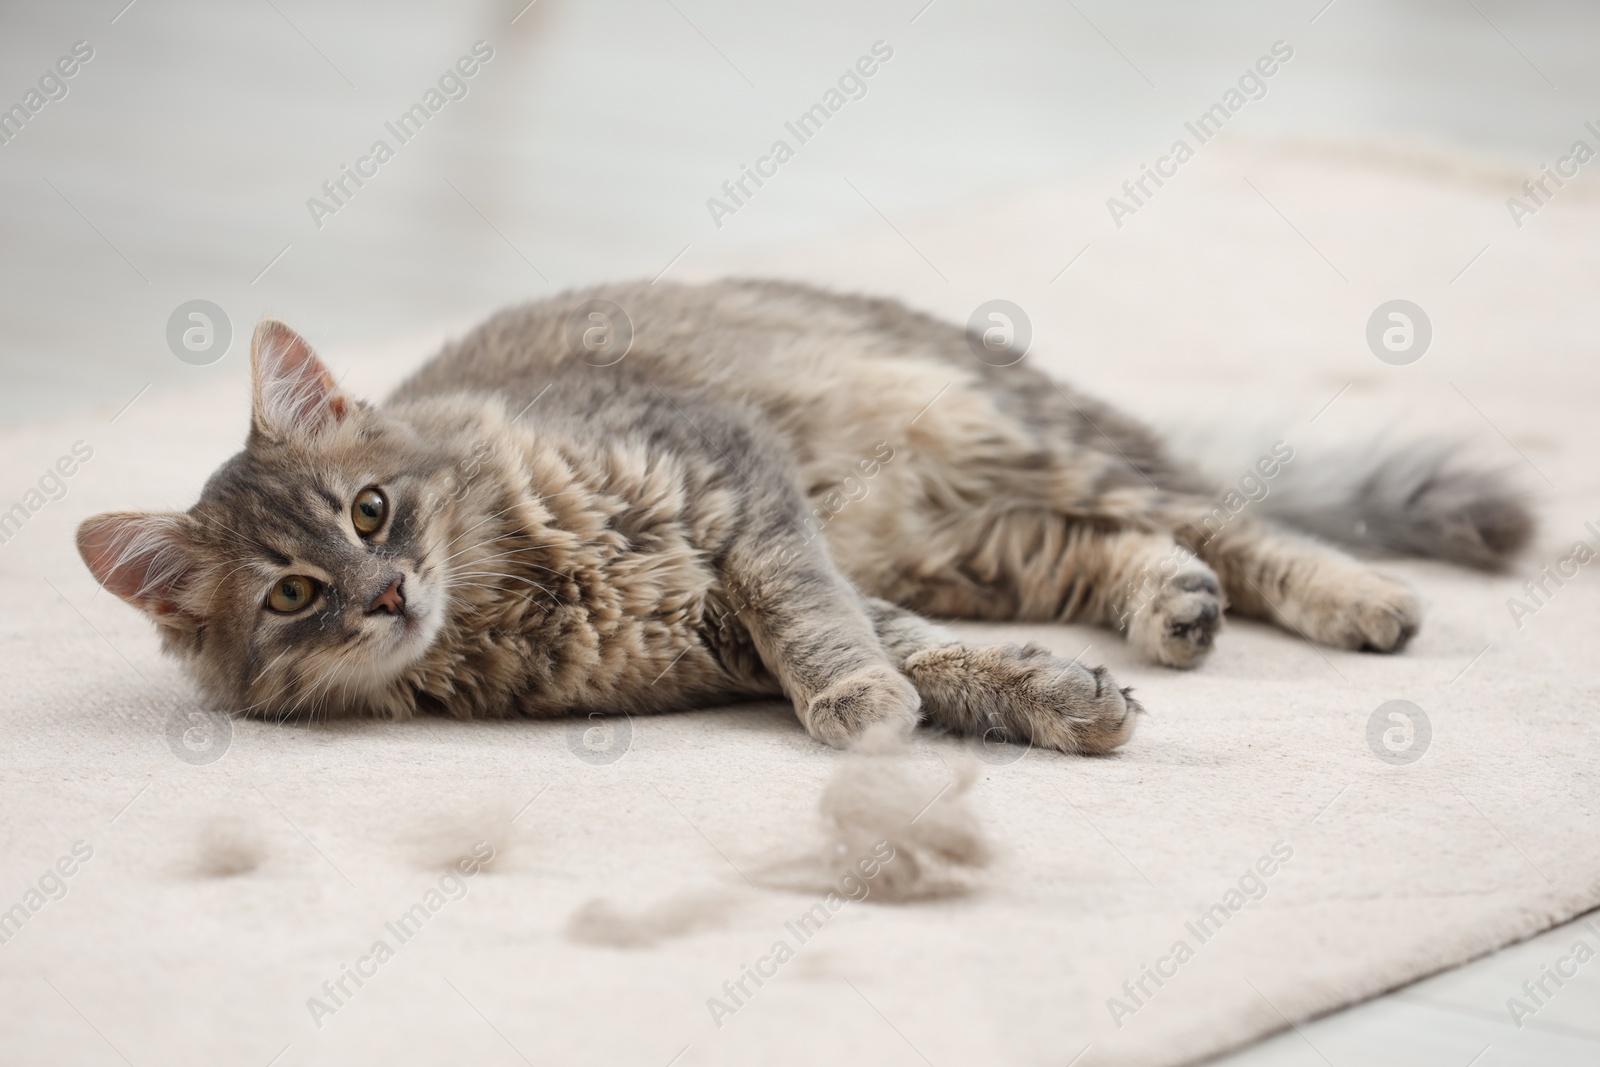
x,y
918,826
891,832
482,836
600,922
227,848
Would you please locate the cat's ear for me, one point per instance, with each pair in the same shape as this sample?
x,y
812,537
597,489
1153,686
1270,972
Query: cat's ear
x,y
146,559
295,394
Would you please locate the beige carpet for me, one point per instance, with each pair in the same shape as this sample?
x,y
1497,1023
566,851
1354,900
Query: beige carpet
x,y
219,896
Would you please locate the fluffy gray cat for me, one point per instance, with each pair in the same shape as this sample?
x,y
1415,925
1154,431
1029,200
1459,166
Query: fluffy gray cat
x,y
766,495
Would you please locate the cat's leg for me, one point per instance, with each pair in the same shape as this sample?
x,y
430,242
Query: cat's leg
x,y
1006,692
813,633
1047,567
1306,586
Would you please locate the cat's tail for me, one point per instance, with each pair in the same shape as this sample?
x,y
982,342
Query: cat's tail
x,y
1419,498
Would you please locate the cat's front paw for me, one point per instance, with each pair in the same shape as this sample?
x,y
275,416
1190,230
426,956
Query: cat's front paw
x,y
1177,621
1007,693
846,709
1099,723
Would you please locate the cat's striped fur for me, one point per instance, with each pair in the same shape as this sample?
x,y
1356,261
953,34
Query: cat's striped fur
x,y
766,495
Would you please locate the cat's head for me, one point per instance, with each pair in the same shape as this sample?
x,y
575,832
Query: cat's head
x,y
311,575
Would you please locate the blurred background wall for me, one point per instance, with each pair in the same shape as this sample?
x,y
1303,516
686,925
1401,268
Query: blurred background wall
x,y
179,162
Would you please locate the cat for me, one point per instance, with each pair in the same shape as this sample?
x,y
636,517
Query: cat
x,y
762,490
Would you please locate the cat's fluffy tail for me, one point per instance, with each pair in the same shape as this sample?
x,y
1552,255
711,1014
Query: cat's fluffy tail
x,y
1420,498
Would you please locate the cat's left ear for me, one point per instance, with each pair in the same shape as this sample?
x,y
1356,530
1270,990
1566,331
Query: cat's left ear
x,y
295,394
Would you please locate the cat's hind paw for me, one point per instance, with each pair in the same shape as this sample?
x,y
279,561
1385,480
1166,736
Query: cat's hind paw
x,y
1367,612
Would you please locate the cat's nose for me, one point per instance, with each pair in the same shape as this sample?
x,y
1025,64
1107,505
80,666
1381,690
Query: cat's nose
x,y
391,601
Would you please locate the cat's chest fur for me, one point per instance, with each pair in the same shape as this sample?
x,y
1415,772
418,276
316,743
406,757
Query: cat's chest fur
x,y
582,555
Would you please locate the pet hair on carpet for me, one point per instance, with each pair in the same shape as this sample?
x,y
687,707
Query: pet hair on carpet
x,y
228,847
598,921
890,832
927,840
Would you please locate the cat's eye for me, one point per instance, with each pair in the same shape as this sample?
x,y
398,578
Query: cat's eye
x,y
292,594
369,511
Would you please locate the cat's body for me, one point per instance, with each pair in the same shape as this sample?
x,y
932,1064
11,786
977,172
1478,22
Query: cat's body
x,y
745,503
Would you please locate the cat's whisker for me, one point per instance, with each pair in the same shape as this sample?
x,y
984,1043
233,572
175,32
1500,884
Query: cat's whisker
x,y
488,518
304,692
262,673
508,553
314,694
514,578
324,686
512,553
503,575
520,548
